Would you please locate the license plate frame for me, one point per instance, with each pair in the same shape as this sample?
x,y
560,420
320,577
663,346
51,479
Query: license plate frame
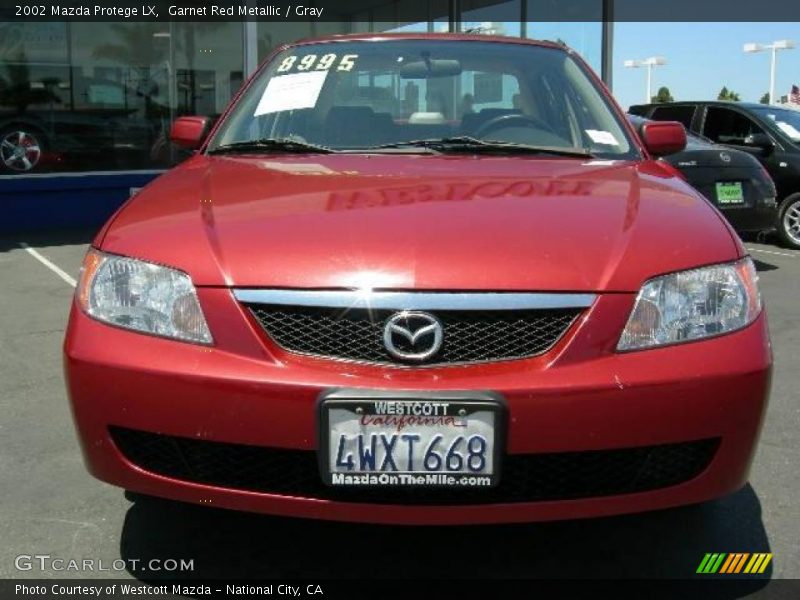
x,y
351,399
722,200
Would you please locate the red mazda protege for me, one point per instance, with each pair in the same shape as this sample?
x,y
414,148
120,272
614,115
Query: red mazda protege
x,y
421,279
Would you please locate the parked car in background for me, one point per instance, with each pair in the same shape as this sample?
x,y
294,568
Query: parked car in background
x,y
770,133
41,132
733,181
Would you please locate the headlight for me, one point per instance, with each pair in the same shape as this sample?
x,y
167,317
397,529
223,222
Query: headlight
x,y
142,296
692,305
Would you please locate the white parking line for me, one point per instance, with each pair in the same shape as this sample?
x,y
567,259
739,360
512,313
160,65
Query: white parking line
x,y
50,265
791,255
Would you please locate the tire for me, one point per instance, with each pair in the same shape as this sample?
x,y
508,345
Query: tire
x,y
788,225
21,149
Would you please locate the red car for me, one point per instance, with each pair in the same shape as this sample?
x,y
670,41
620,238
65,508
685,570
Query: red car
x,y
421,279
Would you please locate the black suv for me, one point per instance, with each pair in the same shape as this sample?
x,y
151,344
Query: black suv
x,y
771,133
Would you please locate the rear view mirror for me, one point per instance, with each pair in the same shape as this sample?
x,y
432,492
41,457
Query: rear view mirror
x,y
428,69
759,140
663,137
189,132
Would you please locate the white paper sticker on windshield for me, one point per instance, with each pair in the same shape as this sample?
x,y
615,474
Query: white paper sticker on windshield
x,y
602,137
789,130
291,92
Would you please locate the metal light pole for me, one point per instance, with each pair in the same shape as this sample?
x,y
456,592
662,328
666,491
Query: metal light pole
x,y
648,63
773,47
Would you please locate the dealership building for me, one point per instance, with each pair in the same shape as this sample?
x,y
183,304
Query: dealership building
x,y
85,107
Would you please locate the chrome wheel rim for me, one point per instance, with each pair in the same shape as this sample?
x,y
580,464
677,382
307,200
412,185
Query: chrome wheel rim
x,y
20,150
791,221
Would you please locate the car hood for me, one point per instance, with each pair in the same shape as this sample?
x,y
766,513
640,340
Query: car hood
x,y
405,221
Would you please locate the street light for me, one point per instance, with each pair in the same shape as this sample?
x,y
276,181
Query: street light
x,y
774,46
649,63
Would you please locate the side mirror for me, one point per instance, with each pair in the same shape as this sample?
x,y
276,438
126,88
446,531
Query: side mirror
x,y
759,140
663,137
189,132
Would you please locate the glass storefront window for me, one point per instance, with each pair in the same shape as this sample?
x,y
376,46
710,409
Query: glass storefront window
x,y
400,16
273,35
491,17
99,97
577,23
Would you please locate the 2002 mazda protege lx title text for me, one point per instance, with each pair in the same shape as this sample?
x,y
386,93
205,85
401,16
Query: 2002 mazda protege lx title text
x,y
421,279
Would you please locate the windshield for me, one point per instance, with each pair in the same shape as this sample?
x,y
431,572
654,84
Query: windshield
x,y
361,95
784,119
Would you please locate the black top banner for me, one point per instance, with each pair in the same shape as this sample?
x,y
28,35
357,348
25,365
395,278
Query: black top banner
x,y
398,12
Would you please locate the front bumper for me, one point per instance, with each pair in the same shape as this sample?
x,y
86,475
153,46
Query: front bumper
x,y
581,397
751,219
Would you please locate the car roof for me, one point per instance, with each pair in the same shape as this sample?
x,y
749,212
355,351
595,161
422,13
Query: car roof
x,y
463,37
707,102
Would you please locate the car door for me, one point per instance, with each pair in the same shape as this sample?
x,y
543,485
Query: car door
x,y
732,127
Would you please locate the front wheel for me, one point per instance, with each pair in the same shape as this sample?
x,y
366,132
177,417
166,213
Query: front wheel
x,y
789,221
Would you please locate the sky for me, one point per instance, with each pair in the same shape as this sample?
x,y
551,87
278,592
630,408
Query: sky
x,y
701,58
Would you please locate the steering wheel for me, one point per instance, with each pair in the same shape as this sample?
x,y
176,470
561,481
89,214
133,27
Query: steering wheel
x,y
511,120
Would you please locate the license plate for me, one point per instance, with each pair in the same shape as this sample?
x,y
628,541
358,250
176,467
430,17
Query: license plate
x,y
730,192
402,441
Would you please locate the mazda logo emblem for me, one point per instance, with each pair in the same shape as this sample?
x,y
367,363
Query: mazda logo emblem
x,y
412,335
725,157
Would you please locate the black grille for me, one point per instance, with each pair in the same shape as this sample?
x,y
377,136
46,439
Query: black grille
x,y
524,477
469,336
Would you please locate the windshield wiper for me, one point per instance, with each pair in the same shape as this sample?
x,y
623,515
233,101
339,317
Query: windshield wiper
x,y
465,143
271,145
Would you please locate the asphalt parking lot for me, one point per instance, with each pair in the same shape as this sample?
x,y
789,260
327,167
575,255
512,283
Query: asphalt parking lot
x,y
52,506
